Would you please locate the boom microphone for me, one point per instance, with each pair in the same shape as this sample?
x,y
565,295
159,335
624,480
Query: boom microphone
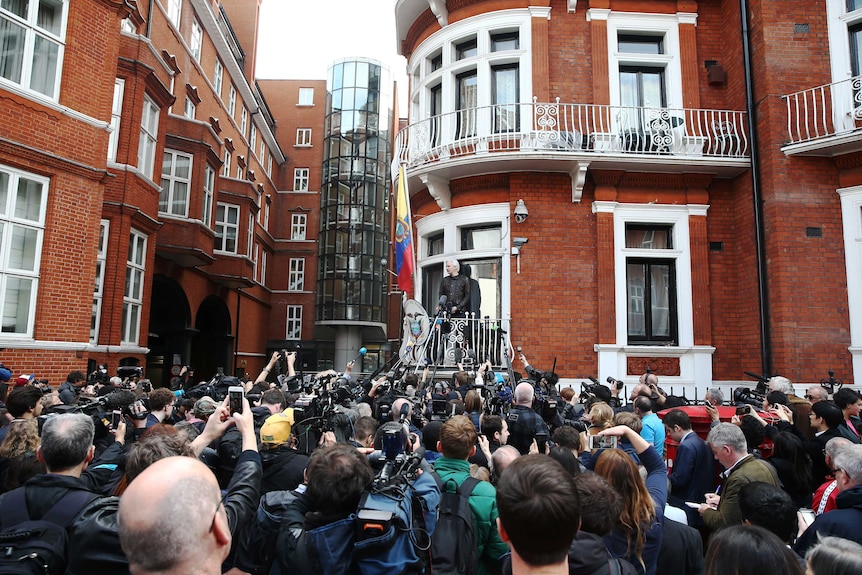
x,y
119,399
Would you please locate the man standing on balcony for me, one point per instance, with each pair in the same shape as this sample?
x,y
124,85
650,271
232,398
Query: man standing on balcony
x,y
456,288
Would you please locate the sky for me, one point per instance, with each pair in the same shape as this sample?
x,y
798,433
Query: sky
x,y
301,39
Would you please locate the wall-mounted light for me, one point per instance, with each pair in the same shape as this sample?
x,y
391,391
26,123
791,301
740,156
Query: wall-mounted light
x,y
517,244
521,212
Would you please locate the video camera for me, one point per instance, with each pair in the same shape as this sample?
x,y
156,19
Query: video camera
x,y
400,463
754,397
593,391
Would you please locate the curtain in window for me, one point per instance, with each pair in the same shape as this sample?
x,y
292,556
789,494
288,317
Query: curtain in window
x,y
16,307
49,17
505,99
660,296
11,50
17,7
468,99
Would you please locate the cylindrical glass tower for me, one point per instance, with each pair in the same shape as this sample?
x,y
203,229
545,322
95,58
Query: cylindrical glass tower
x,y
354,204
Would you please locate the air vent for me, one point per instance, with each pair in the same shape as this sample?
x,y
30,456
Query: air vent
x,y
812,232
716,246
801,29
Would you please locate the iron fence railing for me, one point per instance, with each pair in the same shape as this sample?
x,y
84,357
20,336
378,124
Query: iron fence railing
x,y
575,128
824,111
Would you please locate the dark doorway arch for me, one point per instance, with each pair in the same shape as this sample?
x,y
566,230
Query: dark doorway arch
x,y
213,343
170,333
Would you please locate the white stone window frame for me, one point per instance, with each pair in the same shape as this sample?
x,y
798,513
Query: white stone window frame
x,y
196,40
481,28
10,222
32,33
303,138
231,100
631,23
851,215
298,226
838,23
116,118
99,287
209,194
189,109
293,325
300,176
218,77
133,296
306,97
450,223
225,225
243,121
252,137
695,360
296,275
174,12
173,180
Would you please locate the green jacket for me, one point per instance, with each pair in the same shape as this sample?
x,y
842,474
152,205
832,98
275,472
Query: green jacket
x,y
483,504
748,470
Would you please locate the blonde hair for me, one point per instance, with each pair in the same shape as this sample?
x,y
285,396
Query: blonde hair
x,y
601,415
23,436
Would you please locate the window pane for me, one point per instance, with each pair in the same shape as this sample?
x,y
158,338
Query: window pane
x,y
652,238
855,33
16,305
500,42
635,303
44,74
634,44
480,238
11,50
28,201
660,295
466,50
4,191
50,15
505,96
17,7
435,245
22,248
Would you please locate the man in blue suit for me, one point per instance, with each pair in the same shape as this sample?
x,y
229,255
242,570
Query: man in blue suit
x,y
693,471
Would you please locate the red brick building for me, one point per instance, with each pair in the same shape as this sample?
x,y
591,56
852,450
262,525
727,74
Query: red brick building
x,y
675,221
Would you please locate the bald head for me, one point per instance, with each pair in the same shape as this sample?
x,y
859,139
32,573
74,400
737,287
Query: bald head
x,y
524,393
150,534
501,458
398,404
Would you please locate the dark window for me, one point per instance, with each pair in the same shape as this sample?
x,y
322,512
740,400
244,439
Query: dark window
x,y
435,244
466,49
480,238
505,97
435,113
855,33
853,5
501,42
436,62
467,99
649,237
651,301
638,44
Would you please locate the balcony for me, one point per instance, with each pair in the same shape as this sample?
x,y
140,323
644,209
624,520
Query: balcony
x,y
557,137
826,120
185,242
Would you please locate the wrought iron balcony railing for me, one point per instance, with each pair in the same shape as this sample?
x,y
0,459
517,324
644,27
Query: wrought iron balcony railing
x,y
583,129
825,111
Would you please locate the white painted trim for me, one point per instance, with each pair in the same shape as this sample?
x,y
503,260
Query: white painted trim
x,y
448,222
444,41
695,360
851,215
598,14
542,11
664,24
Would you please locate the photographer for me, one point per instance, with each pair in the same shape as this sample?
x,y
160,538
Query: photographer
x,y
70,388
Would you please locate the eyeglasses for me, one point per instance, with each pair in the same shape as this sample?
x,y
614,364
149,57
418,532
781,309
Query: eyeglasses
x,y
221,503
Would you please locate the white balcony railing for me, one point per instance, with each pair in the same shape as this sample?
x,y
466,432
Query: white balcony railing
x,y
585,129
825,111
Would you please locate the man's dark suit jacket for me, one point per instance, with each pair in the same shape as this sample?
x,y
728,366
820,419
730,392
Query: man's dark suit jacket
x,y
693,472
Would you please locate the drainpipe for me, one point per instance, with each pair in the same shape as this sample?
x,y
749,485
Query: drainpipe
x,y
149,18
759,228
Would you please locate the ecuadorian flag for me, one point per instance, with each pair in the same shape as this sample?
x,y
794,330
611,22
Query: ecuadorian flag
x,y
403,236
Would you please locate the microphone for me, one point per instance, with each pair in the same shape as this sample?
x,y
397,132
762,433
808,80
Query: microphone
x,y
119,399
443,300
362,352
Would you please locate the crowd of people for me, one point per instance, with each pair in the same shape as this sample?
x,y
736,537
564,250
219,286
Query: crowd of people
x,y
590,481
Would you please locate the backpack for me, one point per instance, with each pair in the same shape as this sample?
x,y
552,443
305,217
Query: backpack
x,y
40,547
389,533
453,546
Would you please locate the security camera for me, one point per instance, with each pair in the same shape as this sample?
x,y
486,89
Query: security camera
x,y
521,212
519,242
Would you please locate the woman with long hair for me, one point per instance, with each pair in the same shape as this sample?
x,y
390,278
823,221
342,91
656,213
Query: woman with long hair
x,y
749,549
601,417
22,439
637,536
473,408
793,465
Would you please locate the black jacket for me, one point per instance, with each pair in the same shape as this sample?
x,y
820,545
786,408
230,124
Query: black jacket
x,y
457,290
94,540
587,556
283,469
68,393
242,499
524,424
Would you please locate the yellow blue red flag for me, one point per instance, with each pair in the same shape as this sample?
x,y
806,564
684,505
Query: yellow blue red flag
x,y
403,236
